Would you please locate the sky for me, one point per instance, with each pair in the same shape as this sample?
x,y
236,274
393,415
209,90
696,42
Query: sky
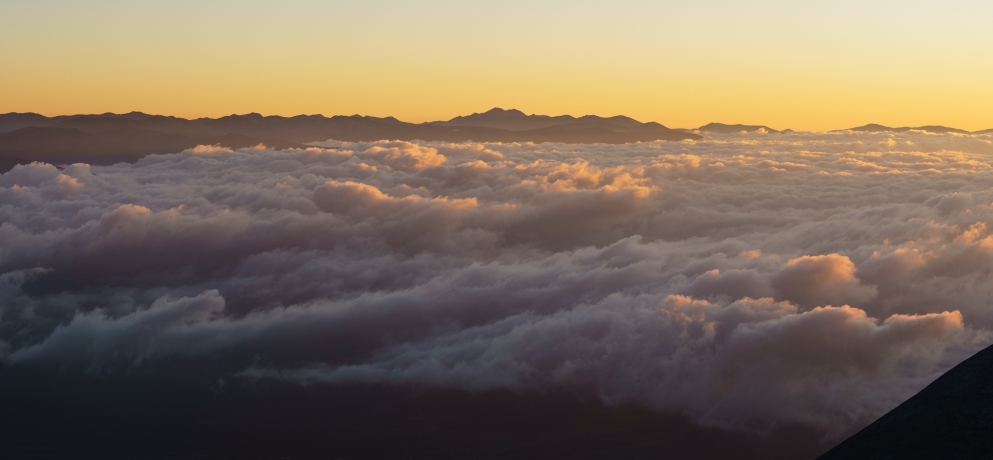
x,y
786,64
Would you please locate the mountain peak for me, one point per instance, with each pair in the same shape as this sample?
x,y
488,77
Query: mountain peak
x,y
872,128
499,111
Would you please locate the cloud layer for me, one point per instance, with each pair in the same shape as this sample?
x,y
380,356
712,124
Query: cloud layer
x,y
746,281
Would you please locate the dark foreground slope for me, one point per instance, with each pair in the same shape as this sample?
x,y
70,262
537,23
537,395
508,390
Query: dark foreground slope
x,y
951,418
143,415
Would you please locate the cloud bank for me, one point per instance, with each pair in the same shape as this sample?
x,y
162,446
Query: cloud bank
x,y
746,281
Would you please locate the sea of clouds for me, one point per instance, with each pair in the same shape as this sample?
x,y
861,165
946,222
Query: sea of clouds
x,y
746,281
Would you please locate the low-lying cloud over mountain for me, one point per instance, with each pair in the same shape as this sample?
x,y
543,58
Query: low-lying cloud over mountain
x,y
876,128
729,129
748,282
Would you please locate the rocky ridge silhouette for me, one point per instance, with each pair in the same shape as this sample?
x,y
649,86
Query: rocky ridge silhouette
x,y
950,418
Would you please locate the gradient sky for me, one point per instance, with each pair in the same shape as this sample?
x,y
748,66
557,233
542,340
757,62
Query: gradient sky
x,y
788,64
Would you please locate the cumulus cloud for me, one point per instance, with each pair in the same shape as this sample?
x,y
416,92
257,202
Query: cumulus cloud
x,y
821,280
745,281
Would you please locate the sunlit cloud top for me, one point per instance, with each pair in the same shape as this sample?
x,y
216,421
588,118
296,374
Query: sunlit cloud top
x,y
745,281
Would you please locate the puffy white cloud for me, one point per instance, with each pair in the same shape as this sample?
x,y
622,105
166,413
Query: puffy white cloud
x,y
821,280
745,281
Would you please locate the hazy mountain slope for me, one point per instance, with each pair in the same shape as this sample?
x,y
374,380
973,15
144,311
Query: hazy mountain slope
x,y
135,130
14,121
951,418
599,131
111,138
60,145
147,141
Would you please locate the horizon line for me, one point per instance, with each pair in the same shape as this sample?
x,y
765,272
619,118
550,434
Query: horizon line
x,y
854,128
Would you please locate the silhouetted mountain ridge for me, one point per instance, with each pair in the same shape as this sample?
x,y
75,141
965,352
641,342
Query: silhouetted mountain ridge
x,y
950,418
107,138
515,120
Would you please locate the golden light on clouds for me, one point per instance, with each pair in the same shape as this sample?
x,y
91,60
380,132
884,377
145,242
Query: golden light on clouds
x,y
782,64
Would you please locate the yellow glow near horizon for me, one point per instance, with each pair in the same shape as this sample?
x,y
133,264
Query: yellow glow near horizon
x,y
800,65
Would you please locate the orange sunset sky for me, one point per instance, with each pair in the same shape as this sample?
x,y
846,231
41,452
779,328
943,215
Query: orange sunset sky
x,y
787,64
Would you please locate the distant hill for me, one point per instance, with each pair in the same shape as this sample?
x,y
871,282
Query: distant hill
x,y
108,138
62,145
951,418
874,128
515,120
14,121
722,128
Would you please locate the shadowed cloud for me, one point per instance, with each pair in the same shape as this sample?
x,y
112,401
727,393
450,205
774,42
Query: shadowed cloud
x,y
747,283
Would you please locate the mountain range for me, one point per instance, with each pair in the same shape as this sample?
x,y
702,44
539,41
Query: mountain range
x,y
110,138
